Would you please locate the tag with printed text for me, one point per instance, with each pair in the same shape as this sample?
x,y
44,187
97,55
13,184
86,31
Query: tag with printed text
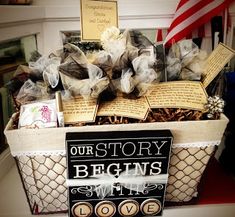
x,y
79,110
178,94
132,108
96,16
216,62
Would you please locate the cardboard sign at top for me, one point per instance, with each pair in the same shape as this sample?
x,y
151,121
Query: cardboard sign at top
x,y
96,16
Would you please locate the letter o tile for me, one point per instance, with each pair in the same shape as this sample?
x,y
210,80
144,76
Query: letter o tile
x,y
105,209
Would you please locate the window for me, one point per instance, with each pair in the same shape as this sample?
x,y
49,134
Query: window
x,y
12,54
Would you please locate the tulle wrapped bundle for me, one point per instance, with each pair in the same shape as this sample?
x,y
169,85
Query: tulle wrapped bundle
x,y
185,61
127,65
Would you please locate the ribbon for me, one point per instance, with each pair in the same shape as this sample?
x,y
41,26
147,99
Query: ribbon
x,y
105,183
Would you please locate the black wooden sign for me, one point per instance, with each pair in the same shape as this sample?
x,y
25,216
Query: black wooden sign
x,y
120,173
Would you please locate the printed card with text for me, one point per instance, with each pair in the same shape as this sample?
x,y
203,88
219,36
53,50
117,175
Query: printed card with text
x,y
118,173
96,16
220,56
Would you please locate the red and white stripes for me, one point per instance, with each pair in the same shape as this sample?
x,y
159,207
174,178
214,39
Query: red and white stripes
x,y
190,17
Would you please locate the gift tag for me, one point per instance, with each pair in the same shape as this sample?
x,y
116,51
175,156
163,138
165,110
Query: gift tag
x,y
79,109
216,62
96,16
178,94
132,108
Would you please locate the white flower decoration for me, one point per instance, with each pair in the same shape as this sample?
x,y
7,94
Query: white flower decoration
x,y
215,105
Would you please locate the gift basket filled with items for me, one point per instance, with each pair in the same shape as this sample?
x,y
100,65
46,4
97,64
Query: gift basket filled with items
x,y
126,85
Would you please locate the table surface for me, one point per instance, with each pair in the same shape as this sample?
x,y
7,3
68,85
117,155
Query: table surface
x,y
13,203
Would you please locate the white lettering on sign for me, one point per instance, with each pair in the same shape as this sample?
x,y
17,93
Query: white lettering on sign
x,y
115,169
81,171
128,149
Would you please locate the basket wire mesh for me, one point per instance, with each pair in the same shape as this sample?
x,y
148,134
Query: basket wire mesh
x,y
44,178
44,181
185,171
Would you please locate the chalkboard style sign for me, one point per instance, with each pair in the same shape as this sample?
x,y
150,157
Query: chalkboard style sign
x,y
121,173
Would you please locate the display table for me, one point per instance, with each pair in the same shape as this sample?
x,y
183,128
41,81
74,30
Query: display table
x,y
13,202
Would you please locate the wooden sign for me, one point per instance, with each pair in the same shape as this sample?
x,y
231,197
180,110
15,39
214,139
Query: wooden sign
x,y
120,173
96,16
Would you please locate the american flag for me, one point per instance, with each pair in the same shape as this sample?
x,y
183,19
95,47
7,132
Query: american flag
x,y
190,15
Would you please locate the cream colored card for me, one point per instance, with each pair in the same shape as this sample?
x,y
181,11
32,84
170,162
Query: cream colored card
x,y
178,94
79,110
96,16
132,108
216,62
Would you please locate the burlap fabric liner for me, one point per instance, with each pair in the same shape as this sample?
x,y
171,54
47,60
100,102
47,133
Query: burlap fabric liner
x,y
41,157
52,140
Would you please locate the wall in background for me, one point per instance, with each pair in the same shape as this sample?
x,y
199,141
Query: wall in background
x,y
47,18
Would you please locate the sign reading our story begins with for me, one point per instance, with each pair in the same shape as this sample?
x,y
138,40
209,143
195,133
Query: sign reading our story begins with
x,y
118,173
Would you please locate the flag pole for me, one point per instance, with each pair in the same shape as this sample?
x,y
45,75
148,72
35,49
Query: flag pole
x,y
225,25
